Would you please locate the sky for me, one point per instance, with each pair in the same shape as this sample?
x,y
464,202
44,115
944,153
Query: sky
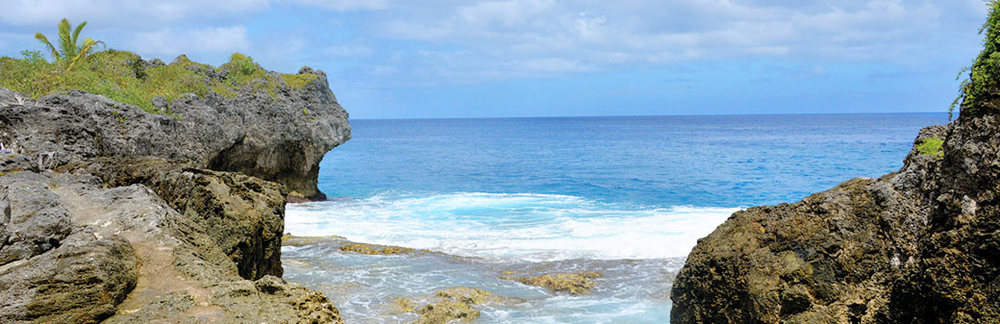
x,y
529,58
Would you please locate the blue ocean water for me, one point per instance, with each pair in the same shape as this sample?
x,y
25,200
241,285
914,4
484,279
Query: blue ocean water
x,y
643,161
628,196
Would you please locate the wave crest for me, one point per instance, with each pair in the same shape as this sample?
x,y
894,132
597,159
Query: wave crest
x,y
526,226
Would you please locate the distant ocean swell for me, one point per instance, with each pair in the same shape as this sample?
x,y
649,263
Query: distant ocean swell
x,y
510,226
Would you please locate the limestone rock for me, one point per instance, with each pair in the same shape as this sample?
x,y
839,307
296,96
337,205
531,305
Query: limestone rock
x,y
572,283
109,213
915,246
253,133
246,214
456,304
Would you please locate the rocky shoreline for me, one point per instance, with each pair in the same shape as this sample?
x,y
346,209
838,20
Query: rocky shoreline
x,y
114,214
920,245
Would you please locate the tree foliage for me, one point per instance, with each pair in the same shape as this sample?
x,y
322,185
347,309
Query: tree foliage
x,y
978,93
70,51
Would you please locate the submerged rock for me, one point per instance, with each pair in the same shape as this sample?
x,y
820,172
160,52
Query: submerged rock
x,y
374,249
573,283
448,305
293,240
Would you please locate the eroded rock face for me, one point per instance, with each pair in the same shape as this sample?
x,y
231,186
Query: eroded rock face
x,y
915,246
56,271
954,277
280,138
132,258
246,214
108,213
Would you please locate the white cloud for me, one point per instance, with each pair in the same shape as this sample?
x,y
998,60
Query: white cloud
x,y
596,34
172,42
120,12
470,41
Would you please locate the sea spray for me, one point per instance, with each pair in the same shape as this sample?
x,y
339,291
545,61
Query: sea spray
x,y
534,227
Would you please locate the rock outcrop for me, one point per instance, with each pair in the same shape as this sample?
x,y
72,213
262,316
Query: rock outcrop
x,y
456,304
920,245
113,214
572,283
280,139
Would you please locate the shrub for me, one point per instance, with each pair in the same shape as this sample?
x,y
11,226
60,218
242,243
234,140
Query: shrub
x,y
931,146
983,83
124,77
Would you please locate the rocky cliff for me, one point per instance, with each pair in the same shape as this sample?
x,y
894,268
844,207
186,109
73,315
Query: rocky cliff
x,y
921,245
110,213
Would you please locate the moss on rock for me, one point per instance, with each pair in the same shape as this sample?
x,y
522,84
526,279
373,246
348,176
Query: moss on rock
x,y
374,249
572,283
448,305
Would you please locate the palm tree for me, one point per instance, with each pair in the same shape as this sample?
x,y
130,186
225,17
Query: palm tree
x,y
69,53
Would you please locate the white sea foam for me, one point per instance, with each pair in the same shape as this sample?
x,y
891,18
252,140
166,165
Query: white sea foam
x,y
534,227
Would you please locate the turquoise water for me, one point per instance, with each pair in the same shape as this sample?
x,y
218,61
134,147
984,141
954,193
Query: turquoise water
x,y
625,196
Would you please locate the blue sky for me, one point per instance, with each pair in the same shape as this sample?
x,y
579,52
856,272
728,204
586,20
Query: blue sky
x,y
462,58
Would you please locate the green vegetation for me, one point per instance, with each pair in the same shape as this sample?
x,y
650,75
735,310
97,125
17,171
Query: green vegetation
x,y
979,92
931,146
125,77
69,53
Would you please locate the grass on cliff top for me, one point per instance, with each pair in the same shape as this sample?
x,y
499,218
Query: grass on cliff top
x,y
124,77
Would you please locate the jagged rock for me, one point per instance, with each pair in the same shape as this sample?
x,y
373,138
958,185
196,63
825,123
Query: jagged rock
x,y
81,281
374,249
54,271
32,220
915,246
280,138
109,213
448,305
131,258
245,213
572,283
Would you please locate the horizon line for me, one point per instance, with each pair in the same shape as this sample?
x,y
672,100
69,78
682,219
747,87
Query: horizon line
x,y
668,115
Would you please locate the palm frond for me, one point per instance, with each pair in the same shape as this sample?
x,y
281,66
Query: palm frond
x,y
44,40
76,32
66,45
87,45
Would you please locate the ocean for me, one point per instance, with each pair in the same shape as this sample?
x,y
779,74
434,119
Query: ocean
x,y
624,196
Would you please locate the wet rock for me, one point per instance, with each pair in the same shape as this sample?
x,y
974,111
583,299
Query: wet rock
x,y
292,240
374,249
456,304
447,311
572,283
